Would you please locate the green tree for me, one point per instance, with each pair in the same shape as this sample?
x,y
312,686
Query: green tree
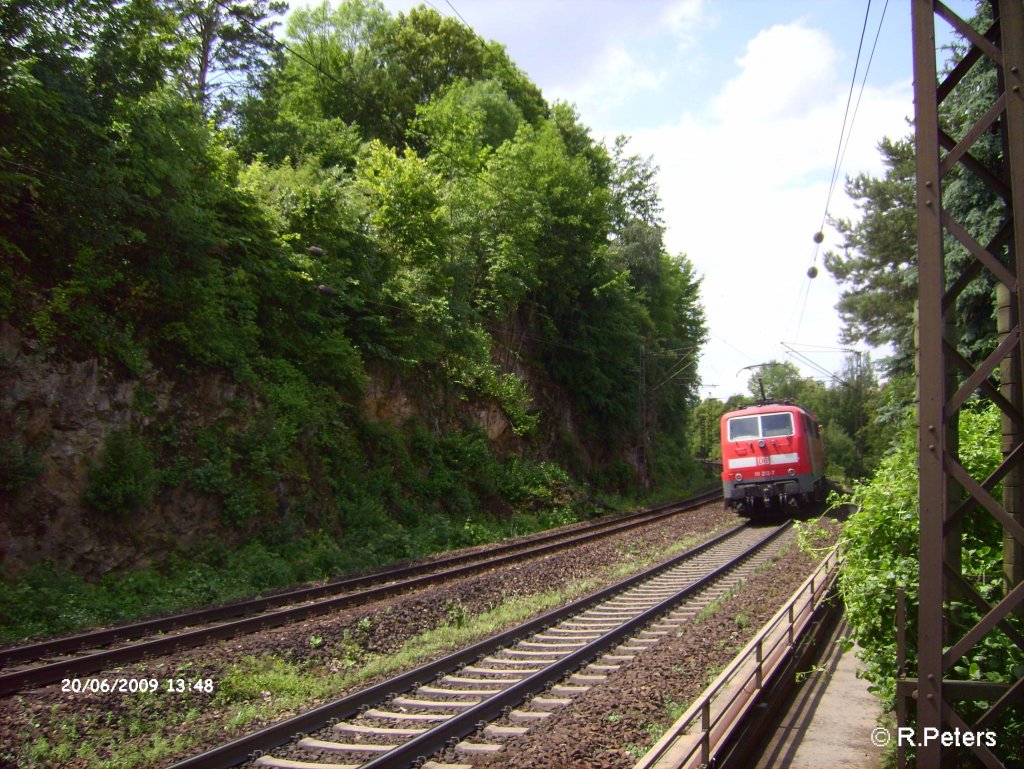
x,y
783,380
126,478
851,407
634,188
223,42
880,548
356,63
878,264
705,425
329,68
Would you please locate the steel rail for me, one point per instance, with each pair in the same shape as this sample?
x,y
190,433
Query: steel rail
x,y
698,736
464,724
40,675
79,641
250,746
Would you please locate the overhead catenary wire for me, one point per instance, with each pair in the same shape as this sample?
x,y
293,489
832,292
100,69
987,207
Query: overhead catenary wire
x,y
813,364
856,107
846,116
845,134
456,12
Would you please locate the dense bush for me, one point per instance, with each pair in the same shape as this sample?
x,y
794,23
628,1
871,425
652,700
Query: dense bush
x,y
126,477
347,221
880,549
46,600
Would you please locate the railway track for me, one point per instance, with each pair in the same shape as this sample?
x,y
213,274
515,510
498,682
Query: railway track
x,y
523,673
46,662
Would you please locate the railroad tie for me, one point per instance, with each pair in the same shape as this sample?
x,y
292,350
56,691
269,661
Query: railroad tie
x,y
478,747
529,715
534,655
393,716
507,661
588,625
587,678
575,639
382,731
574,632
489,672
571,691
551,646
409,702
550,702
435,691
285,763
309,743
504,731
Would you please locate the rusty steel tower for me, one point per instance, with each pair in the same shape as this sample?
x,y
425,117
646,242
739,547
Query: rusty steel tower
x,y
946,699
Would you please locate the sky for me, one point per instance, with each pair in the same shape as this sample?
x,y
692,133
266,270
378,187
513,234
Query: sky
x,y
740,103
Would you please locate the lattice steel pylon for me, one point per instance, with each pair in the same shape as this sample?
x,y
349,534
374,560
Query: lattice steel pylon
x,y
948,699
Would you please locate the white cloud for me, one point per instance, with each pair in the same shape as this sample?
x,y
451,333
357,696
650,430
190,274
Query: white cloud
x,y
744,186
617,77
686,19
786,71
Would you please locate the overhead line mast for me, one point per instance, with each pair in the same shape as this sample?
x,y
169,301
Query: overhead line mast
x,y
946,702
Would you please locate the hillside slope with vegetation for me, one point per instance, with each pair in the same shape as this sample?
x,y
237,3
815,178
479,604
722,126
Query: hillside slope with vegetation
x,y
270,311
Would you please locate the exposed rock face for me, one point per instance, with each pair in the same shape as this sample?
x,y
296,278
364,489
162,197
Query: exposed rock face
x,y
60,413
386,399
56,415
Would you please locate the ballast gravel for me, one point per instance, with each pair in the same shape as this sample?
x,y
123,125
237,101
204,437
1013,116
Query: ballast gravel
x,y
48,727
614,723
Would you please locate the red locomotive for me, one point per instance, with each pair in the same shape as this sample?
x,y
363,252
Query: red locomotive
x,y
771,452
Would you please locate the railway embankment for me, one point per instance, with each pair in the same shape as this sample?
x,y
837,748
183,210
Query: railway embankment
x,y
614,724
267,676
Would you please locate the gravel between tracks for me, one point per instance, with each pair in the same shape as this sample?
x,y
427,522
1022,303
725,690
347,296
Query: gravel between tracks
x,y
617,721
50,728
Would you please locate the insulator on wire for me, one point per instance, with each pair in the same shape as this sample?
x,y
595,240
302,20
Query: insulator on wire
x,y
819,237
812,272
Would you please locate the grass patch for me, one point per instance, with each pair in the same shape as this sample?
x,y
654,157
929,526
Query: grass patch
x,y
112,740
266,688
47,601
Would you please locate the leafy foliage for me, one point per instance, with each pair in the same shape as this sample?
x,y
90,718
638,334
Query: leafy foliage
x,y
388,201
19,465
880,547
879,261
126,477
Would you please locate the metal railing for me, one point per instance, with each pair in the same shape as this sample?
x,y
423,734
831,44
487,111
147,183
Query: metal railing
x,y
703,729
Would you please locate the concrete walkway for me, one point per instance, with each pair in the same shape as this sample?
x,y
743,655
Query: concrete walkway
x,y
830,719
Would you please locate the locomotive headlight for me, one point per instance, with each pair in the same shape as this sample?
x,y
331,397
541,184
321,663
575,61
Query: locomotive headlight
x,y
761,443
739,476
791,471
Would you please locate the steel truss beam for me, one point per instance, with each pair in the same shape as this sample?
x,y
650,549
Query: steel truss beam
x,y
948,493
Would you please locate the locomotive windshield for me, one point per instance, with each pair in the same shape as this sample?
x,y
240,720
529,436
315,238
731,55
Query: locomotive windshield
x,y
743,428
776,425
762,426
